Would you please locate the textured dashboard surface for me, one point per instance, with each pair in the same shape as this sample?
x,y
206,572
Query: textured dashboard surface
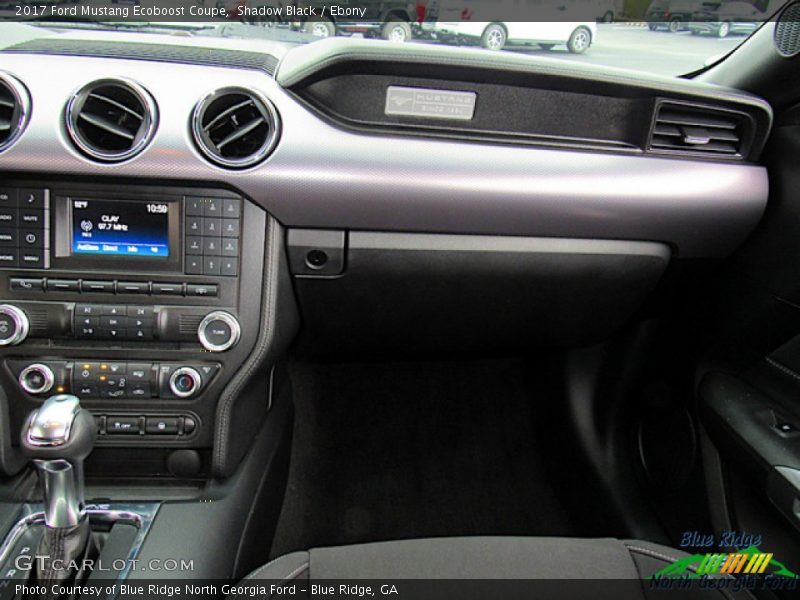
x,y
323,176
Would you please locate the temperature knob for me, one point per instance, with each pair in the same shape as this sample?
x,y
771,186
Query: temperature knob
x,y
36,379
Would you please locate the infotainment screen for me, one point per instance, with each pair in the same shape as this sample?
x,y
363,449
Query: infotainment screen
x,y
120,227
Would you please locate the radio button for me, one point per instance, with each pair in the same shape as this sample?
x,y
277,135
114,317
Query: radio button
x,y
230,228
229,267
8,217
198,290
86,332
8,197
212,246
33,258
133,287
168,289
26,285
32,217
143,333
31,198
212,207
194,265
81,321
140,311
114,310
111,334
8,257
105,287
87,309
194,244
9,237
31,238
211,265
113,322
194,207
212,226
230,247
63,285
232,209
194,226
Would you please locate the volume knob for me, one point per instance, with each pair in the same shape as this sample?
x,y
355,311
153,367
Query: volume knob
x,y
14,325
219,331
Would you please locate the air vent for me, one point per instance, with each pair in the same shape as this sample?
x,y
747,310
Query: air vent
x,y
111,120
698,131
14,110
235,128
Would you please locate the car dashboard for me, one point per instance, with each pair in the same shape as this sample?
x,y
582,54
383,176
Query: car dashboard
x,y
518,203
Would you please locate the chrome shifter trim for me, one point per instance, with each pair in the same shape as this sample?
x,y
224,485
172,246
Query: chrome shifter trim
x,y
51,424
63,492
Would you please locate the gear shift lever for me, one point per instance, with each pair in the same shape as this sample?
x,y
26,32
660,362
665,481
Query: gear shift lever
x,y
58,437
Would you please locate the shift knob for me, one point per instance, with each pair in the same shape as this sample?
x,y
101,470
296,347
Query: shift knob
x,y
58,437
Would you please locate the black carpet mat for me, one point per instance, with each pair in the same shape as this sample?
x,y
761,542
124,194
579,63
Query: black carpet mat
x,y
405,450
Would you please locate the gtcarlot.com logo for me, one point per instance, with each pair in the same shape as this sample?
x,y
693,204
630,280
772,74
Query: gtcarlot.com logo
x,y
26,562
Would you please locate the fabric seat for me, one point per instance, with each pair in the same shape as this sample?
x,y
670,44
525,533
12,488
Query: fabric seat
x,y
567,567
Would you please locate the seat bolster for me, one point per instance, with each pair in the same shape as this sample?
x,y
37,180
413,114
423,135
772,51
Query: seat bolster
x,y
284,568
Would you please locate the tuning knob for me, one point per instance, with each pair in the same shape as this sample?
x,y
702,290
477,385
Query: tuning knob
x,y
219,331
14,325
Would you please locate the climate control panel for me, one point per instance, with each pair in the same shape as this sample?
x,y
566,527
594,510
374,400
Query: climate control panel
x,y
95,379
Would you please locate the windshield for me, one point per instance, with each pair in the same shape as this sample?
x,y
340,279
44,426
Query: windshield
x,y
665,37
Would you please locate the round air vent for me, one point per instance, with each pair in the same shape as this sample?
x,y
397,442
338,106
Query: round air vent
x,y
235,128
111,120
787,30
14,110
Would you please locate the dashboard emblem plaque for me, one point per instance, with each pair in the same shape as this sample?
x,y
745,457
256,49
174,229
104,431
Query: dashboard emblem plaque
x,y
430,103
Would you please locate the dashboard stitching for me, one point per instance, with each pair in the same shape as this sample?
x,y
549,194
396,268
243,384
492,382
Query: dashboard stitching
x,y
262,344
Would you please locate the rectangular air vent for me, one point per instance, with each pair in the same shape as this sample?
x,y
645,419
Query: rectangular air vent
x,y
698,131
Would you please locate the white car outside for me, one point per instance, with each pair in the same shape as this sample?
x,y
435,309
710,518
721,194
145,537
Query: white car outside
x,y
577,36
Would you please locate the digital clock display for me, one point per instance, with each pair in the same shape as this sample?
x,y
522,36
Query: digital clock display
x,y
120,227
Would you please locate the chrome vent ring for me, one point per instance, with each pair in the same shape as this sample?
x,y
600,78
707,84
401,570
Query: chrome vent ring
x,y
111,120
15,109
235,128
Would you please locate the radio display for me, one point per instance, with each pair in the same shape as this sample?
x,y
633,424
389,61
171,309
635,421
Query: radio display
x,y
120,227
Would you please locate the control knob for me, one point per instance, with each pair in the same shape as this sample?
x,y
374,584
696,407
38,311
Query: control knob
x,y
36,379
14,325
185,382
219,331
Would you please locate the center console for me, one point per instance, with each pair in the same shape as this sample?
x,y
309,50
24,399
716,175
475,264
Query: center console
x,y
132,298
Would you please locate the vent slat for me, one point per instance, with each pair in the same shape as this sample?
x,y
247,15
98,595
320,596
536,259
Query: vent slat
x,y
225,114
5,125
240,133
6,103
694,120
107,126
696,130
718,147
116,104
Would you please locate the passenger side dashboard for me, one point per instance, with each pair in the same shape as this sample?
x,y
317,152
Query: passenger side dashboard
x,y
545,218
